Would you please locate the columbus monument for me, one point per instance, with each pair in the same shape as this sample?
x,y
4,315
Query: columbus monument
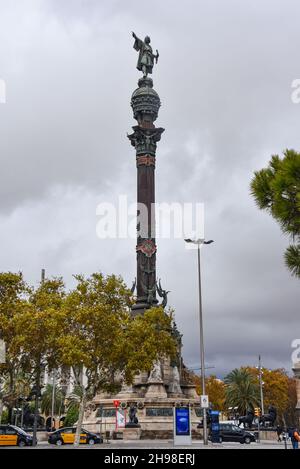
x,y
145,104
150,400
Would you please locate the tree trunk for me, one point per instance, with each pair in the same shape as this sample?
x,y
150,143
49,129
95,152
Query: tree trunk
x,y
36,408
80,417
1,410
11,392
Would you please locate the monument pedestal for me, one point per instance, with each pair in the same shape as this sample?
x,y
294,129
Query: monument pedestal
x,y
190,392
126,393
156,391
132,433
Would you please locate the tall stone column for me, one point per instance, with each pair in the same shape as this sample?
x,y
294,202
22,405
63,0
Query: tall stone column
x,y
145,104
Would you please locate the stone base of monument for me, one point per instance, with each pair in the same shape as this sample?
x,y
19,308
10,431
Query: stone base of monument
x,y
132,433
156,391
189,390
154,397
155,416
268,435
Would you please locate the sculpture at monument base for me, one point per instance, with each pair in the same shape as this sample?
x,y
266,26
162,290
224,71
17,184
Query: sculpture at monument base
x,y
175,388
133,420
126,392
247,420
156,388
270,417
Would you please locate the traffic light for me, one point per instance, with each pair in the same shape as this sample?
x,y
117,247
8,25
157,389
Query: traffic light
x,y
257,411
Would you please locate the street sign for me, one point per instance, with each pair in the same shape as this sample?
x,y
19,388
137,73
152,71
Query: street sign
x,y
204,402
182,426
117,404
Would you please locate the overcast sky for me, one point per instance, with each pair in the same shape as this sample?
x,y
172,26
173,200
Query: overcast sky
x,y
224,78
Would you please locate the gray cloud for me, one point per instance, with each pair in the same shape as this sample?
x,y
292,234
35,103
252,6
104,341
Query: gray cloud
x,y
224,78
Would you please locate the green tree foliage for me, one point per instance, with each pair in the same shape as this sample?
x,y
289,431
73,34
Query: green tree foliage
x,y
46,401
242,390
73,406
215,389
279,391
71,417
89,330
98,334
14,294
277,190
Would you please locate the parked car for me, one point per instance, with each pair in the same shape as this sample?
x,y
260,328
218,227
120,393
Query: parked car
x,y
10,435
66,436
233,433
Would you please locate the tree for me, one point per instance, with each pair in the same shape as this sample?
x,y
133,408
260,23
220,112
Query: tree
x,y
98,335
46,400
73,405
275,389
290,412
242,390
14,293
36,332
215,389
277,190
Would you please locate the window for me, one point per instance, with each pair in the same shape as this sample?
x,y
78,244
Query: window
x,y
236,429
11,431
68,431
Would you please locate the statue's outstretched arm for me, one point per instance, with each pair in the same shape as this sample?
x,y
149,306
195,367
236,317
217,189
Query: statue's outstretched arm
x,y
138,42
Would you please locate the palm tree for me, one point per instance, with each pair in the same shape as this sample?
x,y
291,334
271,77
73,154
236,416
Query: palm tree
x,y
242,390
292,259
73,404
46,401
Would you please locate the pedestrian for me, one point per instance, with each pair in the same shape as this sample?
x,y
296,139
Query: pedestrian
x,y
295,438
279,431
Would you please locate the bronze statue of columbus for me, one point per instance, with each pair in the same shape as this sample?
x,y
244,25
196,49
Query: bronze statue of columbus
x,y
146,57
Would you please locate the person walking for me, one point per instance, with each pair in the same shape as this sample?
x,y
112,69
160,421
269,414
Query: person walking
x,y
279,431
295,438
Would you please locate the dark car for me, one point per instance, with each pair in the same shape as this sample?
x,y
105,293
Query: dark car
x,y
233,433
10,435
66,436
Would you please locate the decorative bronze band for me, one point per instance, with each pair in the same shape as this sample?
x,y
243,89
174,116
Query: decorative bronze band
x,y
147,247
145,160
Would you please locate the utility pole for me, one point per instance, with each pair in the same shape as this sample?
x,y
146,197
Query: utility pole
x,y
199,243
261,384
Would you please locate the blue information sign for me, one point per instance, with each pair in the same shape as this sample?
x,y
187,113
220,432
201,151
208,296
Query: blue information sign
x,y
215,426
182,421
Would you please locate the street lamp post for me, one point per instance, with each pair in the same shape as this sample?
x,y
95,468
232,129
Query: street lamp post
x,y
261,385
199,243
